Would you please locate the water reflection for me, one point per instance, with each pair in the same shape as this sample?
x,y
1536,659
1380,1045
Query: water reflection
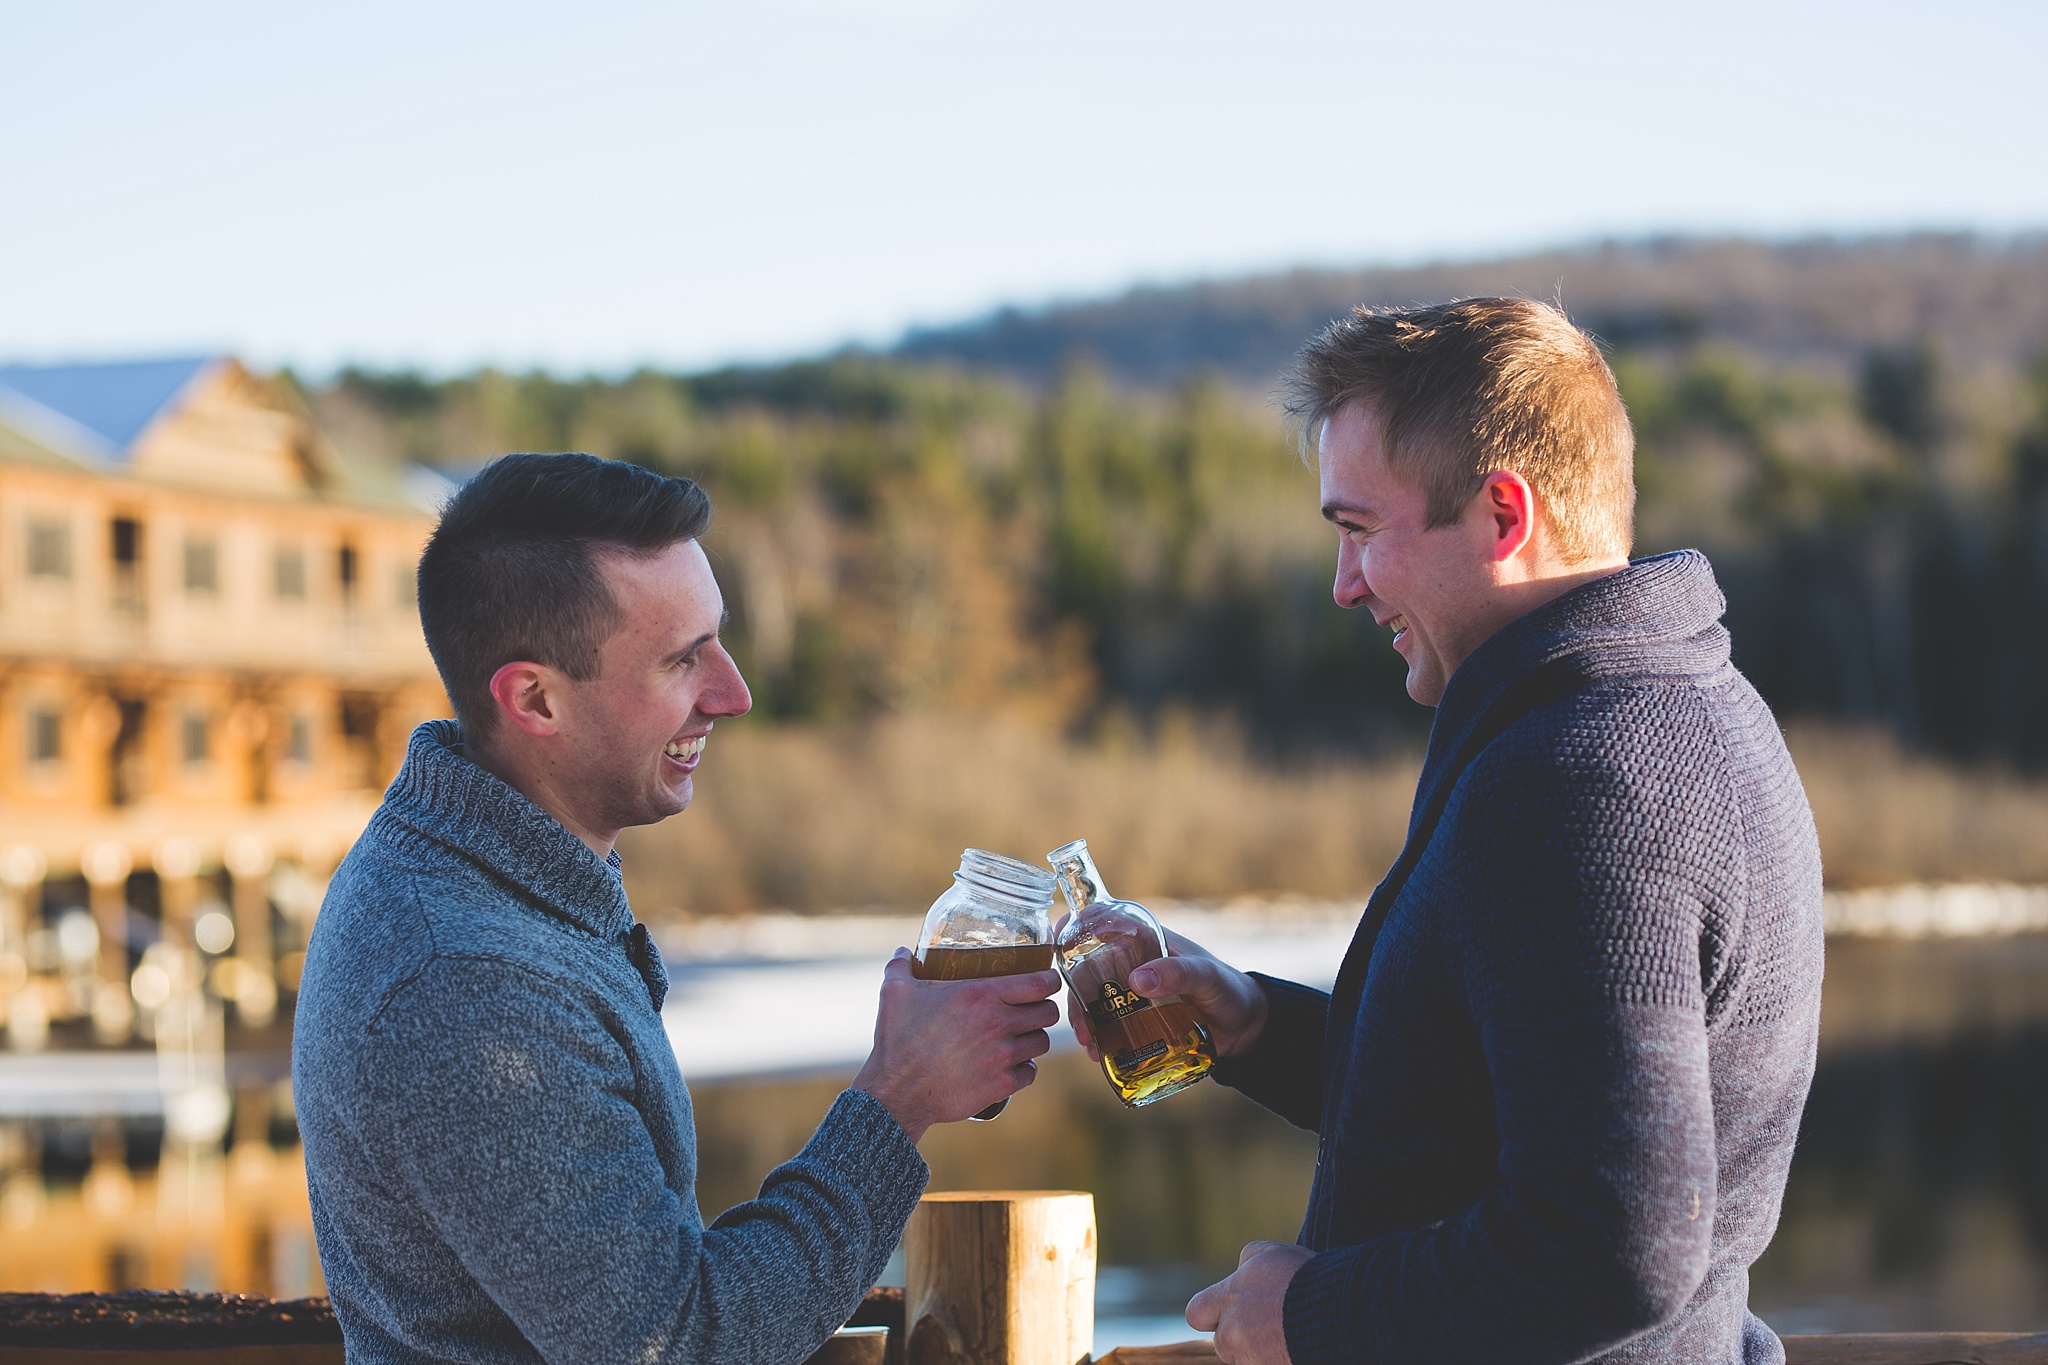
x,y
236,1222
1918,1198
1919,1193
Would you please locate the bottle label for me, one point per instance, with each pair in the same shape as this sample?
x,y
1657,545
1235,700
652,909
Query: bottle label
x,y
1133,1057
1116,1003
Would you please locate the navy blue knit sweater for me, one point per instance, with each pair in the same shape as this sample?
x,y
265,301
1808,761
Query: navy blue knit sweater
x,y
1560,1073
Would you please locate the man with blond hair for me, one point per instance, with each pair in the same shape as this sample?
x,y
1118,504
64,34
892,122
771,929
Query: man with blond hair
x,y
1559,1075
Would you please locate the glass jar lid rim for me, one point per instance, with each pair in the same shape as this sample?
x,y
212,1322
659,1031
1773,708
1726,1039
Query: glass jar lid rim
x,y
999,867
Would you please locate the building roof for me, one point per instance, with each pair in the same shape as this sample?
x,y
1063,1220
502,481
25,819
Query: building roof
x,y
94,410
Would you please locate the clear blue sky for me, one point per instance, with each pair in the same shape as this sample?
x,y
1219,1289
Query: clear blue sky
x,y
598,185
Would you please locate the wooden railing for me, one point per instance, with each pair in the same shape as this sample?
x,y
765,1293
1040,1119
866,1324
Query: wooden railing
x,y
992,1278
1009,1279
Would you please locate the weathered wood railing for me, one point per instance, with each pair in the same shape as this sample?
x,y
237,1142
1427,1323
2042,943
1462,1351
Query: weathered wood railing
x,y
993,1278
1009,1279
1902,1348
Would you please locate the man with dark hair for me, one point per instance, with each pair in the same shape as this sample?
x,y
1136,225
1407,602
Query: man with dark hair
x,y
498,1140
1558,1079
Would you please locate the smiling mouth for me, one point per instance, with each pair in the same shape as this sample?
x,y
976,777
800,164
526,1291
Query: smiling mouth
x,y
683,750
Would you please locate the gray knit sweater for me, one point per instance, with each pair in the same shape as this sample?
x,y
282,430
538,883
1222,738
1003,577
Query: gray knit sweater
x,y
1560,1073
498,1139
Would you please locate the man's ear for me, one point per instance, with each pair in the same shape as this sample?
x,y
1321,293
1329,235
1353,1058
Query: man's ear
x,y
524,694
1509,505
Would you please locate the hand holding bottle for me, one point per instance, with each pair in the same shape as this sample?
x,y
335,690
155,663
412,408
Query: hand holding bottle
x,y
1149,1047
1230,1002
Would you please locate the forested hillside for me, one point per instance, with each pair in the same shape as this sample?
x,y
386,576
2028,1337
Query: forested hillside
x,y
1857,435
1821,303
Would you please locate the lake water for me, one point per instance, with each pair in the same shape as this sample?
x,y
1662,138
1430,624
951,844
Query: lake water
x,y
1918,1200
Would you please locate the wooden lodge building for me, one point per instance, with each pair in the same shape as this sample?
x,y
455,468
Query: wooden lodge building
x,y
210,659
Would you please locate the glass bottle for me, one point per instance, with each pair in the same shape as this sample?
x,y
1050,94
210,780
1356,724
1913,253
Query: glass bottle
x,y
994,920
1150,1048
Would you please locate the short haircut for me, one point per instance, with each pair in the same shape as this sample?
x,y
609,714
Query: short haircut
x,y
511,572
1461,390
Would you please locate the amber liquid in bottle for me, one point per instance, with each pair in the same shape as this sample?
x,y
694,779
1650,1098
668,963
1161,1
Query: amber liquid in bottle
x,y
1150,1048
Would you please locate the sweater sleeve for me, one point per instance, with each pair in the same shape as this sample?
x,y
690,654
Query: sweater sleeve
x,y
1577,940
1284,1069
505,1110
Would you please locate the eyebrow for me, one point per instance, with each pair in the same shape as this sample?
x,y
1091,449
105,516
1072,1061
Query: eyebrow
x,y
1336,511
724,618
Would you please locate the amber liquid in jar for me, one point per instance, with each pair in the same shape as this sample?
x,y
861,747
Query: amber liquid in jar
x,y
969,964
991,922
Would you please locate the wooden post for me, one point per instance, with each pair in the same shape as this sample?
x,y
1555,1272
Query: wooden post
x,y
1000,1278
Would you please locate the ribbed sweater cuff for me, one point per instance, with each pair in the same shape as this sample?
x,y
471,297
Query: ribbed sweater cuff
x,y
1284,1069
1316,1314
862,1138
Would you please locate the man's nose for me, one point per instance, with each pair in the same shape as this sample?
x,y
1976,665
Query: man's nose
x,y
1350,588
728,695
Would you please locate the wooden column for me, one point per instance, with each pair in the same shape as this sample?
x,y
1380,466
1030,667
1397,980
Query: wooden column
x,y
106,868
21,879
248,863
177,870
1000,1278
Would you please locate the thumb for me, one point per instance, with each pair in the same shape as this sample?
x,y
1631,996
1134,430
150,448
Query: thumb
x,y
1166,976
898,967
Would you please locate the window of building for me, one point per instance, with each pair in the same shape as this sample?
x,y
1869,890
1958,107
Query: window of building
x,y
127,542
125,533
49,549
291,572
45,735
202,565
298,744
349,568
197,738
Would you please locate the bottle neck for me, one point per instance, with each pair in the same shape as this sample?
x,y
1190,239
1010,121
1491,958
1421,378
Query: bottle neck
x,y
1079,882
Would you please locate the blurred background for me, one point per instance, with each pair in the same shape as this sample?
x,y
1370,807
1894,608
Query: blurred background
x,y
969,315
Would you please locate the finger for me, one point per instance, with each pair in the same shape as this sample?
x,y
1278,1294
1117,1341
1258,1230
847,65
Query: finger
x,y
1252,1249
1038,1017
1023,1074
897,968
1026,987
1205,1309
1034,1044
1078,1018
1180,945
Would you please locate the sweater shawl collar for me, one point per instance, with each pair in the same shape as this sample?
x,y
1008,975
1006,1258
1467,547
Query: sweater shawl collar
x,y
442,795
1659,617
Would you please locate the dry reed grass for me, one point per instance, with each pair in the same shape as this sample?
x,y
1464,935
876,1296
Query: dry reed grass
x,y
877,815
1887,816
807,819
